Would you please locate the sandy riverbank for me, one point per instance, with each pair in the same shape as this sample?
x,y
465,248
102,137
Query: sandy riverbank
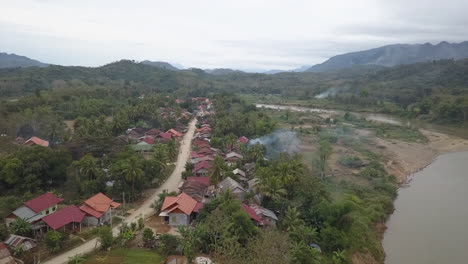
x,y
404,159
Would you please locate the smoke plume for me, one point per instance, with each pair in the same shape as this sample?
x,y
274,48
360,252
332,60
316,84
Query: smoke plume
x,y
331,92
278,142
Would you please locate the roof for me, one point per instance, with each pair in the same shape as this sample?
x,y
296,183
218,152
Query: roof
x,y
64,216
153,132
174,132
198,207
234,154
90,211
203,180
165,135
183,202
43,202
261,211
202,165
239,171
101,203
251,212
194,189
243,140
148,140
229,183
15,241
142,147
205,150
37,141
27,214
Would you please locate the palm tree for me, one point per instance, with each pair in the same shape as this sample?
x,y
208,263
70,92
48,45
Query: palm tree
x,y
132,171
172,149
272,187
161,156
217,170
21,227
292,219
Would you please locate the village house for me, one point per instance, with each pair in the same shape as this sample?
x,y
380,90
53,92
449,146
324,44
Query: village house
x,y
147,140
98,209
179,210
233,157
153,132
196,187
69,218
240,174
202,168
252,214
142,148
174,133
243,140
200,159
267,217
5,255
35,141
228,184
164,137
25,243
35,209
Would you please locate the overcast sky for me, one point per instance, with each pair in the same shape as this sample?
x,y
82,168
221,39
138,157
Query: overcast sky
x,y
241,34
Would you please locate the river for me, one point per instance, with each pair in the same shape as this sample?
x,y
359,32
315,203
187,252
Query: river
x,y
429,222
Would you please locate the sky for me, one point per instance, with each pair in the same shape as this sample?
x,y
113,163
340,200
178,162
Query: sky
x,y
250,35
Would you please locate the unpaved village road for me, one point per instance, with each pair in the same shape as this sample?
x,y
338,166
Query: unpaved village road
x,y
145,210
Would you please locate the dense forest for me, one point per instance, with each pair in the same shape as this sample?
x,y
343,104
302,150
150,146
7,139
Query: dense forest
x,y
436,90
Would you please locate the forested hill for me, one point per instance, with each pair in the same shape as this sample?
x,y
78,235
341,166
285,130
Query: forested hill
x,y
406,87
397,54
160,64
13,61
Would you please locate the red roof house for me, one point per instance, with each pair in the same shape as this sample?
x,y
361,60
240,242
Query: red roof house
x,y
43,202
178,209
204,180
36,141
68,215
165,136
243,140
251,212
148,140
5,255
98,209
202,168
174,132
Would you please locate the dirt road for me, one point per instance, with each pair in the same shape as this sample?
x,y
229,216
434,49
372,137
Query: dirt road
x,y
145,210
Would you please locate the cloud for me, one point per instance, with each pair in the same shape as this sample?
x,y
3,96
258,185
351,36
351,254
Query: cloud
x,y
241,34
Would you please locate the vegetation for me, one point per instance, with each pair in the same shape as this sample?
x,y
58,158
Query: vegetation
x,y
53,240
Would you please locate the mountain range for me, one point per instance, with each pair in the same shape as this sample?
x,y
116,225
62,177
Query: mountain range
x,y
386,56
393,55
14,61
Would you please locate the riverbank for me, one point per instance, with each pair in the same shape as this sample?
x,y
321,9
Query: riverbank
x,y
404,158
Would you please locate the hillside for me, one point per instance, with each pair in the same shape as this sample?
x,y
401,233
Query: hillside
x,y
160,64
397,54
14,61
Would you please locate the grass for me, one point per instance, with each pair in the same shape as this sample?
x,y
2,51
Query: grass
x,y
126,256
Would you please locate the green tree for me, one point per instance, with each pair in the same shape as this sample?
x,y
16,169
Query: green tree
x,y
21,227
105,237
324,152
189,242
148,237
53,240
133,172
217,170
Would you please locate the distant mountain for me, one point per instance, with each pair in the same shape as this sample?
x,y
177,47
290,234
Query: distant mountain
x,y
273,71
160,64
222,71
397,54
14,61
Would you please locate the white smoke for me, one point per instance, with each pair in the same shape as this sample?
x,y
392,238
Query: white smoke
x,y
331,92
279,142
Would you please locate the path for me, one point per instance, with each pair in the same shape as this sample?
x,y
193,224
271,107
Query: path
x,y
145,210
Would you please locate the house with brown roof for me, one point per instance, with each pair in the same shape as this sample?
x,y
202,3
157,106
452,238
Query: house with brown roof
x,y
98,209
35,141
202,168
228,184
243,140
267,217
233,157
179,210
35,209
164,137
25,243
174,133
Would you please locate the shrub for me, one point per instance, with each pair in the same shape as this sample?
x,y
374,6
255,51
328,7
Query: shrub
x,y
53,240
148,237
105,237
169,244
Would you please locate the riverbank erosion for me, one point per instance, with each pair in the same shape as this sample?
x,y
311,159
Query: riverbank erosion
x,y
403,159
